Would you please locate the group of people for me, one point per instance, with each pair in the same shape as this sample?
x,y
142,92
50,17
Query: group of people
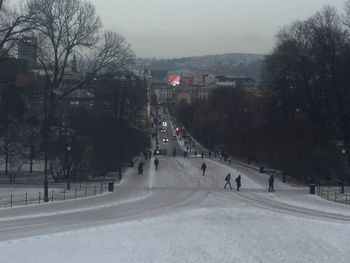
x,y
238,182
227,178
238,179
147,155
228,181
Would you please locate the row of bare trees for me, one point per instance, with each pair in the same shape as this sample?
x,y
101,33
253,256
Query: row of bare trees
x,y
308,72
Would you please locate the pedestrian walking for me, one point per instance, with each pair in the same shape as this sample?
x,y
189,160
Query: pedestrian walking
x,y
202,155
228,181
195,153
238,182
271,181
156,163
203,167
149,155
140,167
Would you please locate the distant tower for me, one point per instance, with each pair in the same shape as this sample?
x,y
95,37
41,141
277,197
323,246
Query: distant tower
x,y
74,64
27,50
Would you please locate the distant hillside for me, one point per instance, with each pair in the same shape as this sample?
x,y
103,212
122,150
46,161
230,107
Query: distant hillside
x,y
229,64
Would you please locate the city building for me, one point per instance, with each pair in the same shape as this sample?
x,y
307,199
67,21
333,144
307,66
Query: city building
x,y
27,50
190,94
234,81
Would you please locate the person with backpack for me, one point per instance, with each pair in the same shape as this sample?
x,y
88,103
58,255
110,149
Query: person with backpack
x,y
203,167
238,182
271,181
156,163
228,181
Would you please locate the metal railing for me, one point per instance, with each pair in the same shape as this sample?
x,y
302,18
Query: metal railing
x,y
334,193
77,191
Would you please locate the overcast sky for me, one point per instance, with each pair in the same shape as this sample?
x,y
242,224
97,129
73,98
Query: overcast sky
x,y
177,28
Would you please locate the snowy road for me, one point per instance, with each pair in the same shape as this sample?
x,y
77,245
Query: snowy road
x,y
176,209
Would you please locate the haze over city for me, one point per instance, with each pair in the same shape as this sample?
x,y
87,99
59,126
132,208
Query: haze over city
x,y
167,29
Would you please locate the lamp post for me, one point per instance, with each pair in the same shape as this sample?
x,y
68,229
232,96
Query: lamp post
x,y
46,135
121,112
343,151
68,165
248,111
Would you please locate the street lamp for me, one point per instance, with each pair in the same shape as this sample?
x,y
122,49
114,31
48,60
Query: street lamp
x,y
343,151
67,166
46,139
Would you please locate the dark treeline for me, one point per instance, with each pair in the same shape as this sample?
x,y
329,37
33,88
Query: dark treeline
x,y
299,120
90,138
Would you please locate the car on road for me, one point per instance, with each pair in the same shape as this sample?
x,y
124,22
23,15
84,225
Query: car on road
x,y
160,152
165,140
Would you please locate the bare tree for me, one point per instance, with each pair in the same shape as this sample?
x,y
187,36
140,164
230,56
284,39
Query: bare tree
x,y
13,23
109,55
67,27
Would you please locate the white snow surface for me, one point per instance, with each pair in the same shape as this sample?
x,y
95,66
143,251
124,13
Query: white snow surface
x,y
177,215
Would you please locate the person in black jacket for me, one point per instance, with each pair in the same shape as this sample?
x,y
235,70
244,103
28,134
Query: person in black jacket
x,y
271,181
228,181
156,163
238,182
203,167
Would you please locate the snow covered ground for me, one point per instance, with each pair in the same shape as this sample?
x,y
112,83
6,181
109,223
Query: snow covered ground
x,y
177,215
217,234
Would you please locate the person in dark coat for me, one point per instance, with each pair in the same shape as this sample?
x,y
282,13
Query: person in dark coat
x,y
140,167
203,167
228,181
195,153
156,163
149,155
202,155
271,181
238,182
